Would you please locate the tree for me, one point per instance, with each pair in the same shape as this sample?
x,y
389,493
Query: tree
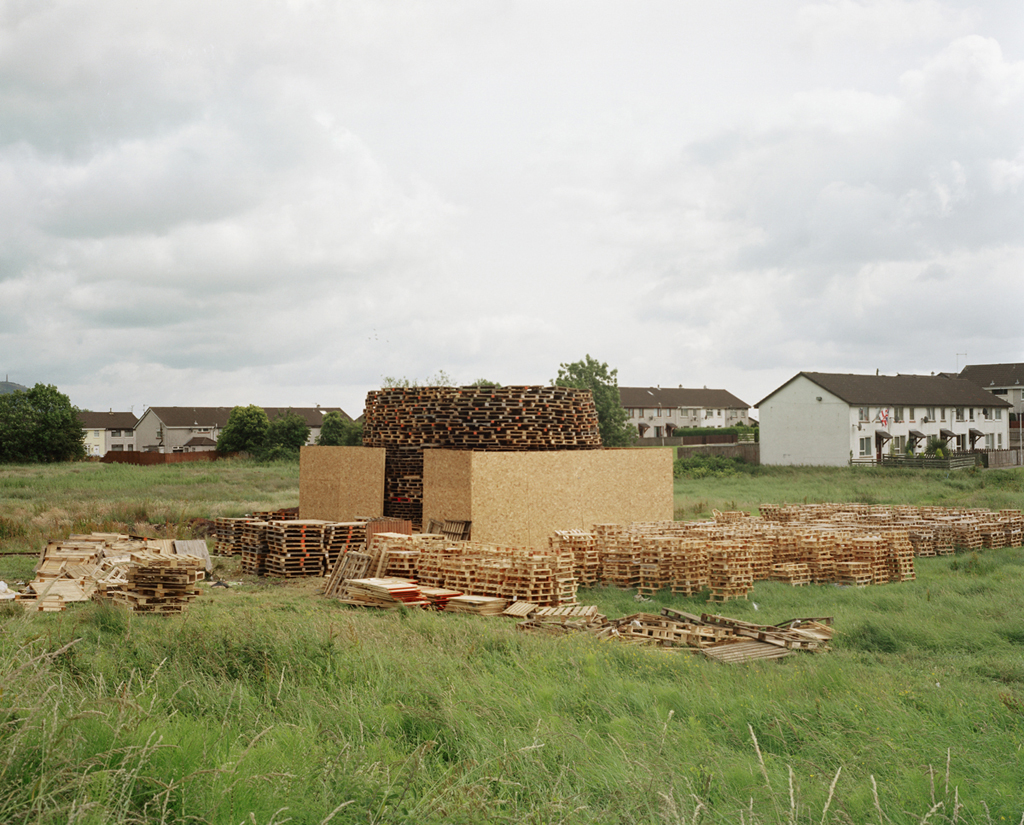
x,y
591,374
40,424
289,431
245,432
338,431
484,382
442,379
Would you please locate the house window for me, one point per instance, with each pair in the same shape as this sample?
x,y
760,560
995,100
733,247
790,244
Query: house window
x,y
95,433
864,414
971,409
990,441
999,415
657,432
999,441
659,412
910,414
899,444
929,413
897,414
985,413
943,413
117,448
959,413
865,446
115,433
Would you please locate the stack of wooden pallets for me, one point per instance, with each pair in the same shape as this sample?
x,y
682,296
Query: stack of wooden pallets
x,y
689,565
403,420
792,573
383,592
620,547
296,548
228,536
341,537
254,547
729,572
819,556
159,583
922,540
854,573
582,544
874,552
477,605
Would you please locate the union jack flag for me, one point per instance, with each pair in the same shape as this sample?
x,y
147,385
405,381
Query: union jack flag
x,y
883,417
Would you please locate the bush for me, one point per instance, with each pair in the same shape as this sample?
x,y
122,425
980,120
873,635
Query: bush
x,y
714,466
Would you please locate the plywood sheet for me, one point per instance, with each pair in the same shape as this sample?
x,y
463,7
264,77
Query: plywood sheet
x,y
341,483
450,494
521,498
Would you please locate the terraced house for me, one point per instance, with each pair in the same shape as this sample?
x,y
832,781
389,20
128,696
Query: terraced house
x,y
657,411
108,432
195,429
819,418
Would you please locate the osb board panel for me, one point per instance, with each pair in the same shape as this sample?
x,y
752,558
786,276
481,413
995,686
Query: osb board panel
x,y
341,483
448,495
522,497
634,481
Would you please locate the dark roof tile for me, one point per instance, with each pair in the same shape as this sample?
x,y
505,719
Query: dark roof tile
x,y
900,390
672,397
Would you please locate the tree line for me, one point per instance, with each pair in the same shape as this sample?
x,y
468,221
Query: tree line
x,y
42,425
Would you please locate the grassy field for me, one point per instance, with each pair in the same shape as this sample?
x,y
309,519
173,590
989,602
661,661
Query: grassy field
x,y
266,703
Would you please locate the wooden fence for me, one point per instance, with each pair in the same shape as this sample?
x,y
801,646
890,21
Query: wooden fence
x,y
149,459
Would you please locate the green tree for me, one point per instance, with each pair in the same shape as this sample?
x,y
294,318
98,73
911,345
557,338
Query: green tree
x,y
484,382
245,432
591,374
288,431
339,431
40,424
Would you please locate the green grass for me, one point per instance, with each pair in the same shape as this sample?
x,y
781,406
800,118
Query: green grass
x,y
54,500
745,489
266,703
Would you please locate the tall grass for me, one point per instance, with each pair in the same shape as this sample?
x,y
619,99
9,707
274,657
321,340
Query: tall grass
x,y
266,703
40,502
696,497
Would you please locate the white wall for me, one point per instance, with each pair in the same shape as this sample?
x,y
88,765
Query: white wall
x,y
796,428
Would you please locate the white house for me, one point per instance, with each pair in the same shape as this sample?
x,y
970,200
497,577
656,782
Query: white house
x,y
108,432
820,418
657,411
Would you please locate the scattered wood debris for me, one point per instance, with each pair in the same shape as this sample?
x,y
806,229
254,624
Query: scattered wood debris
x,y
147,575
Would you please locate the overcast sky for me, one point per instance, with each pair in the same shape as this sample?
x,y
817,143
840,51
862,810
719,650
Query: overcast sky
x,y
281,203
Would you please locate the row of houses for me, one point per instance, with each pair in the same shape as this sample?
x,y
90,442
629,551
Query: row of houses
x,y
831,418
813,419
177,429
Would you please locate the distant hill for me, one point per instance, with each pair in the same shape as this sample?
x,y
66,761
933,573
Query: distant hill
x,y
9,387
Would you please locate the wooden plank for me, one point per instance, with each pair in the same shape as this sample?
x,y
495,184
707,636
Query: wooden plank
x,y
738,652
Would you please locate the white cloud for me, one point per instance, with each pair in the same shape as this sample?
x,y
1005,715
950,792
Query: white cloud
x,y
881,24
284,202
